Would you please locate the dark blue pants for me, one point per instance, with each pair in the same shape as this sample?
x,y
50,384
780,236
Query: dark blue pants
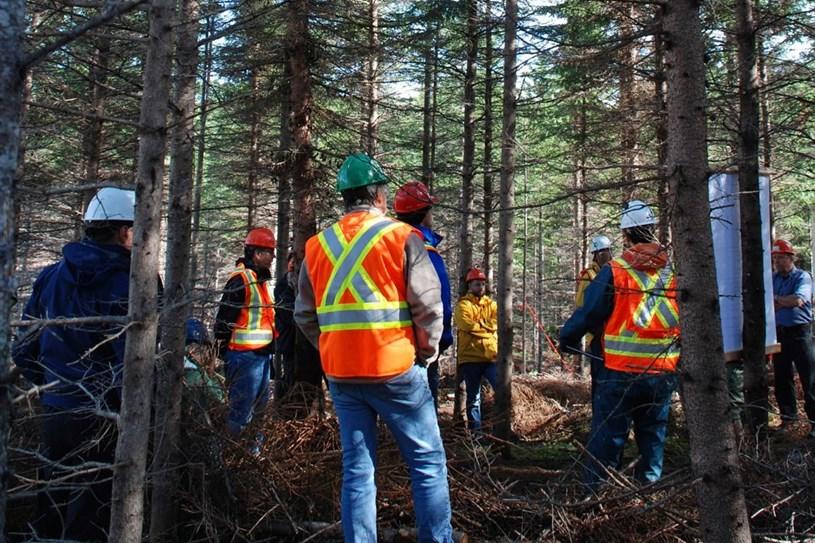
x,y
473,373
623,398
796,354
77,508
433,382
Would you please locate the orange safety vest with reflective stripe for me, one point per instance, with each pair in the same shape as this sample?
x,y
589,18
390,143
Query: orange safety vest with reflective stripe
x,y
254,327
357,271
642,334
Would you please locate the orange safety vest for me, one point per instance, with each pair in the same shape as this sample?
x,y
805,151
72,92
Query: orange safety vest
x,y
254,327
642,334
357,271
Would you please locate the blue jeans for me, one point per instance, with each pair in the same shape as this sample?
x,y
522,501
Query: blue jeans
x,y
405,405
247,376
620,399
473,372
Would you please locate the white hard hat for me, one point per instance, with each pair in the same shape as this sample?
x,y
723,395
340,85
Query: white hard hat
x,y
598,243
111,204
636,213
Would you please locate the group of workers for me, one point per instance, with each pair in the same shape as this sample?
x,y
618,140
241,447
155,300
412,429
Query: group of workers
x,y
373,296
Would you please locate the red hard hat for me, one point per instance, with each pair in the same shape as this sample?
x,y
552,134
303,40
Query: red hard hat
x,y
260,237
413,196
782,247
475,274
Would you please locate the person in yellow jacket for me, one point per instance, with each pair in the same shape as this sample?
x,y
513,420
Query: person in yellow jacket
x,y
370,300
476,320
601,255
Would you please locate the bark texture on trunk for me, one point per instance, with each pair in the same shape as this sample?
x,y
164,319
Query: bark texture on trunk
x,y
661,131
170,367
12,30
127,507
752,248
428,102
488,124
201,142
465,231
720,495
627,104
370,133
506,229
92,137
284,174
307,368
254,156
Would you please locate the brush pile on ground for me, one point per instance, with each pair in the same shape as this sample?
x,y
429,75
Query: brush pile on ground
x,y
291,492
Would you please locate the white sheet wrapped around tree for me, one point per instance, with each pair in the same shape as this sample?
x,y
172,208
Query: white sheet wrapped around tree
x,y
725,220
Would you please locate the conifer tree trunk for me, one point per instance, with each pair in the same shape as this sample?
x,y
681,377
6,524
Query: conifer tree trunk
x,y
752,247
199,165
579,218
127,511
307,368
506,229
465,232
767,148
720,495
28,80
167,432
488,122
284,174
12,30
430,62
627,109
371,129
254,137
661,131
92,137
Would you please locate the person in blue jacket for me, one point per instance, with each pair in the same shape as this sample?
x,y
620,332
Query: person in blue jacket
x,y
80,367
413,204
792,298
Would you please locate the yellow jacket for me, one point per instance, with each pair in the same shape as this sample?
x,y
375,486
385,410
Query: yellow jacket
x,y
583,282
476,321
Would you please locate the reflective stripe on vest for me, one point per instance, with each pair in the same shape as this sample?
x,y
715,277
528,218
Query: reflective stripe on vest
x,y
643,331
371,310
254,327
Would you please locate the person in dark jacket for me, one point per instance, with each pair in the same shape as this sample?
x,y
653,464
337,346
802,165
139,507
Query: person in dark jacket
x,y
244,332
80,367
413,204
284,295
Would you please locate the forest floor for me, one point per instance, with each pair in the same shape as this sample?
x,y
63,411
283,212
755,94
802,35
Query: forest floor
x,y
524,490
533,493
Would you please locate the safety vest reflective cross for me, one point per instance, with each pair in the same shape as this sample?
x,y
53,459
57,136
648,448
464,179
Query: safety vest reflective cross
x,y
254,327
642,333
357,271
371,310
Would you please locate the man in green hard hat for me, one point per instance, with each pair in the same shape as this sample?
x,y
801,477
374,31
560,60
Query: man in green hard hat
x,y
370,300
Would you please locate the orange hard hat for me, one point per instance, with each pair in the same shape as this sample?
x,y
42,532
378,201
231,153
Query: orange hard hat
x,y
475,274
782,247
413,196
260,237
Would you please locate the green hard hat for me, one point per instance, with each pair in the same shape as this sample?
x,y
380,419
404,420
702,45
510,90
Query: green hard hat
x,y
360,170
